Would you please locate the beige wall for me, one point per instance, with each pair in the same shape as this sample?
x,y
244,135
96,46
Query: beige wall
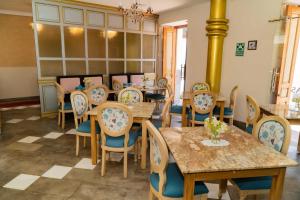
x,y
18,77
248,21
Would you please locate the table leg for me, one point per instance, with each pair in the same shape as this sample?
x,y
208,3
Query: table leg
x,y
222,107
183,114
277,185
144,145
298,149
222,188
189,187
93,141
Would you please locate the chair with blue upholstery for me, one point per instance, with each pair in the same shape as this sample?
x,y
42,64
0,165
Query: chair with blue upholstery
x,y
97,95
159,96
203,103
200,86
253,113
130,95
273,131
80,107
166,180
228,111
165,117
115,120
63,107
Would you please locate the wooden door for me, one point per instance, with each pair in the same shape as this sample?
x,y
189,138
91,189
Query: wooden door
x,y
286,71
169,54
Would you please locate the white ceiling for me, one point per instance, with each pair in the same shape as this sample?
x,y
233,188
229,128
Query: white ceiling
x,y
157,5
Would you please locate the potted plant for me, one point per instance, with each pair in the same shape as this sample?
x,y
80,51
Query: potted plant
x,y
215,128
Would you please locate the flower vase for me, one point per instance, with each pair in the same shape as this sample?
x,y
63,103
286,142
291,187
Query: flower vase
x,y
214,136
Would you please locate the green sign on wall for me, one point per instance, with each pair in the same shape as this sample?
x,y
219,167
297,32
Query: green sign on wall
x,y
240,49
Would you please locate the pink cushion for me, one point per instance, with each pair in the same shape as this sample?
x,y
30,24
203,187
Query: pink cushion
x,y
69,84
121,79
136,79
96,80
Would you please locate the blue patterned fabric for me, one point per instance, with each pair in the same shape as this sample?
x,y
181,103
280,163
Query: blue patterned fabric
x,y
249,128
227,111
178,109
203,101
155,96
85,127
174,185
67,106
80,104
254,183
118,142
198,117
115,119
130,96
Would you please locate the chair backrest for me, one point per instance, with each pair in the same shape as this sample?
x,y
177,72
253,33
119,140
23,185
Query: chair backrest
x,y
165,115
130,95
158,155
60,92
233,96
115,119
137,79
200,87
170,90
97,94
80,105
69,83
274,131
117,85
123,79
162,82
203,102
253,111
150,79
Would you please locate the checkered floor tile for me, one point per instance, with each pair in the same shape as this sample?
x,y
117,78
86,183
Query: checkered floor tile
x,y
14,121
33,118
57,172
21,182
71,132
29,139
53,135
85,163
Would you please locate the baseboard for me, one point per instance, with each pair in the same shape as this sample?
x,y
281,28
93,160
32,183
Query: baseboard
x,y
23,101
239,124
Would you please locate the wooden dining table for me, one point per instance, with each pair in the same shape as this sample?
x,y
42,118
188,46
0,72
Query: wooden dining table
x,y
141,113
186,101
245,156
289,113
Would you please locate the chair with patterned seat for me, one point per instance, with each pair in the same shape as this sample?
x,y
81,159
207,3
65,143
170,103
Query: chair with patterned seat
x,y
228,111
130,95
80,106
165,117
200,86
203,103
273,131
166,180
160,96
63,107
253,113
115,120
97,95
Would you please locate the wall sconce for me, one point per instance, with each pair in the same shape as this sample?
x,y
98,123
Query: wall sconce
x,y
39,27
75,30
111,34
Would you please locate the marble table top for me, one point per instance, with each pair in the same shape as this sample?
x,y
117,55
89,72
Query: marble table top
x,y
187,95
282,110
243,153
139,110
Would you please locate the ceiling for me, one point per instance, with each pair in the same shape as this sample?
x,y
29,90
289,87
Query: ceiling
x,y
157,5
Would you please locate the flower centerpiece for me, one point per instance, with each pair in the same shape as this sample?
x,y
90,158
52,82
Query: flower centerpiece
x,y
215,128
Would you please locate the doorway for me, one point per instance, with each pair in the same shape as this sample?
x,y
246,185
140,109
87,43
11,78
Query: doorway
x,y
174,56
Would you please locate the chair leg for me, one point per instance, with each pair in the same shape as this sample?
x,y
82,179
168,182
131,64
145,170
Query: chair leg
x,y
135,151
125,163
231,121
63,120
242,195
84,142
103,162
203,197
77,144
59,119
151,196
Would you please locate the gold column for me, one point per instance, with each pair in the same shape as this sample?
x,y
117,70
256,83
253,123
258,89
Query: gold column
x,y
216,31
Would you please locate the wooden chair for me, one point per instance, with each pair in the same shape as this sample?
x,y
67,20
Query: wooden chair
x,y
253,113
115,120
158,97
63,107
97,94
273,131
80,106
203,103
165,118
200,86
228,111
166,180
130,95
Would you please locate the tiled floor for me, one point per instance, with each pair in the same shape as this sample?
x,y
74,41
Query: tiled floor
x,y
47,168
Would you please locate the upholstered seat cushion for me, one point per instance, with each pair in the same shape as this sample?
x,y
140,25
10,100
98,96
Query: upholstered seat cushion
x,y
227,111
155,96
249,128
67,106
157,123
79,87
254,183
85,127
118,142
177,109
174,185
198,117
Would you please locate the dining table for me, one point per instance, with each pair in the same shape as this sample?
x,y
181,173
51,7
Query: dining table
x,y
220,101
242,156
141,113
292,114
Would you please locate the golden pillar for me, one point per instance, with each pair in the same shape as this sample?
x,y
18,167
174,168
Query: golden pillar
x,y
216,31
